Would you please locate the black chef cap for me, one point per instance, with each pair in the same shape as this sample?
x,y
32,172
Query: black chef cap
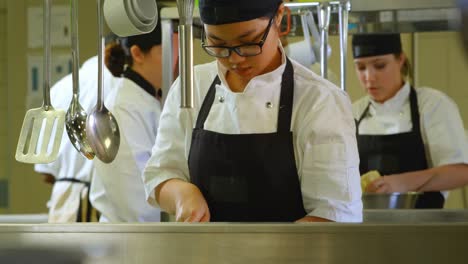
x,y
148,40
217,12
367,45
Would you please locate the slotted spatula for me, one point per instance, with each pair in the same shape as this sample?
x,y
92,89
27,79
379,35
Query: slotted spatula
x,y
41,133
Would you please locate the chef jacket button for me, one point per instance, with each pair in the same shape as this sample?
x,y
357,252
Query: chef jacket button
x,y
221,99
269,105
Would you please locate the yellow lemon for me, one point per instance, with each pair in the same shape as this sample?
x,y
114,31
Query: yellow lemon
x,y
368,178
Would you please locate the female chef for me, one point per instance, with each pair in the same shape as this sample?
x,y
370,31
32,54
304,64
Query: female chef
x,y
413,136
267,139
117,190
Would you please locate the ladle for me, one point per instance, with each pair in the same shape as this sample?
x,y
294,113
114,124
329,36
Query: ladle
x,y
75,123
101,126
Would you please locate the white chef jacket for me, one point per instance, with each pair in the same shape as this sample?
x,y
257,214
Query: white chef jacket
x,y
323,129
442,128
65,197
117,191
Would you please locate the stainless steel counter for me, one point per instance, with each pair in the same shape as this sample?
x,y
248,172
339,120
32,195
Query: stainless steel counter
x,y
24,218
416,216
397,216
259,243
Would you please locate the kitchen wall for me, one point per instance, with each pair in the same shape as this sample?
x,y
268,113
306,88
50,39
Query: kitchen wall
x,y
441,63
3,109
445,69
27,192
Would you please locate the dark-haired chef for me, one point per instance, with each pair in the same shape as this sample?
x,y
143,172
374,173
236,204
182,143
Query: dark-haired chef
x,y
267,140
415,137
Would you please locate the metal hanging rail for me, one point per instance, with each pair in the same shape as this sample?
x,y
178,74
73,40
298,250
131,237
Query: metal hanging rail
x,y
379,5
168,15
356,16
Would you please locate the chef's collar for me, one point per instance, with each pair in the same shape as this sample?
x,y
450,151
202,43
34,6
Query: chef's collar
x,y
142,82
218,12
258,81
368,45
395,103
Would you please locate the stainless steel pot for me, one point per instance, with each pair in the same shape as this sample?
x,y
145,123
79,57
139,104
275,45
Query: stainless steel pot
x,y
390,200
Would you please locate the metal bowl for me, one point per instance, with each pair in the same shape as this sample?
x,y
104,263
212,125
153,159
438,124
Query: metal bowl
x,y
390,200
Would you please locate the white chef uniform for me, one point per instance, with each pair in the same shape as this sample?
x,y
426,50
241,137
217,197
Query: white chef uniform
x,y
322,124
117,191
442,128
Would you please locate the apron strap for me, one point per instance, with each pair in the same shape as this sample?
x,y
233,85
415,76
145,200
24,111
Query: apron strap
x,y
73,180
207,103
79,215
363,115
286,98
414,111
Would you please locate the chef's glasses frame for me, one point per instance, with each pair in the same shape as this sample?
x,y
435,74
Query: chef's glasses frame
x,y
245,50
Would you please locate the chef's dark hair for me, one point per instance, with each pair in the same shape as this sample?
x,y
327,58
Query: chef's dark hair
x,y
118,56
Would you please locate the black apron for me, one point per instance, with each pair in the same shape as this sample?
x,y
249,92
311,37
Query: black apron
x,y
248,177
397,153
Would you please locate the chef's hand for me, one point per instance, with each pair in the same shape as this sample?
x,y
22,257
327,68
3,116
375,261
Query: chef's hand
x,y
191,206
387,184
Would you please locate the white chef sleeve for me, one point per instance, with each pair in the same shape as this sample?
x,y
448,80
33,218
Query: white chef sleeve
x,y
442,130
169,155
330,179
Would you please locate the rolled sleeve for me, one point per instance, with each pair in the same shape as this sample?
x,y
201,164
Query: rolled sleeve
x,y
330,179
443,131
169,154
330,184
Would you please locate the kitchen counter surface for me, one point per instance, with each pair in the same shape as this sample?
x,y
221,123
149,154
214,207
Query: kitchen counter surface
x,y
370,242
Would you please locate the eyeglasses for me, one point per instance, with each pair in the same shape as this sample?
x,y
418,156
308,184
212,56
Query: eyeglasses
x,y
244,50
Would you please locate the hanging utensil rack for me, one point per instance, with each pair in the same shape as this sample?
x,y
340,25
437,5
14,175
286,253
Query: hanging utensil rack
x,y
363,16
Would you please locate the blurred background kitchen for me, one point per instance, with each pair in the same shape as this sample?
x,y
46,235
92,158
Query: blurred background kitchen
x,y
436,54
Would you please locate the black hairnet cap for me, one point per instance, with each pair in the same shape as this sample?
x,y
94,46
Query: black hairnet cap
x,y
367,45
148,40
218,12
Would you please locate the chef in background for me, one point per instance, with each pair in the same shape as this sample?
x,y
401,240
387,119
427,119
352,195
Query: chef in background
x,y
267,140
117,190
412,136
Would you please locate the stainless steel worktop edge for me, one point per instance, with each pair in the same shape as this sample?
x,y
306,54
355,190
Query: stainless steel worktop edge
x,y
231,228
